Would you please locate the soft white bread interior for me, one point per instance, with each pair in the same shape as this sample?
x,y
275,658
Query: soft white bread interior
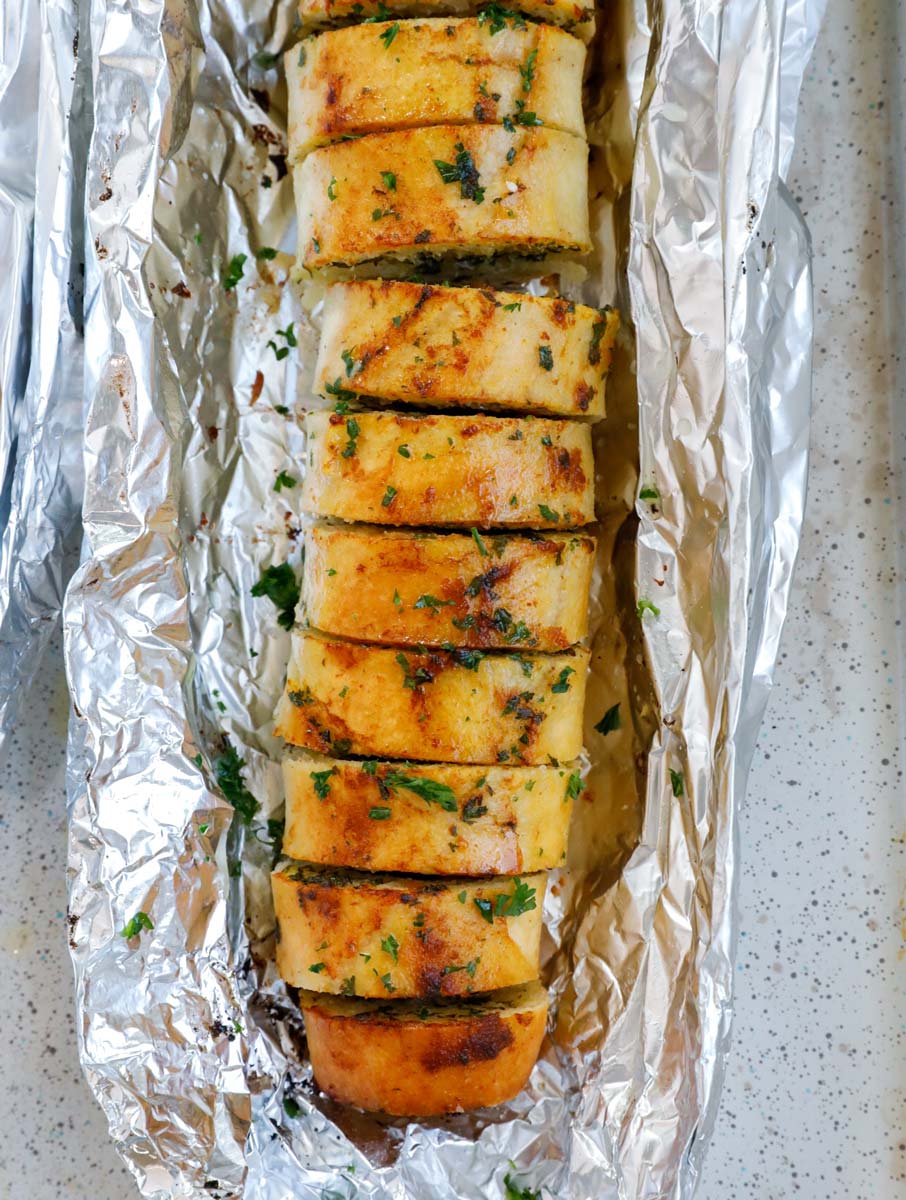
x,y
458,706
393,468
418,1060
407,587
467,347
396,936
433,819
374,78
473,190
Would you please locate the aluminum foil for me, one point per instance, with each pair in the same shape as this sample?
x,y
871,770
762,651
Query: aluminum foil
x,y
40,330
190,1042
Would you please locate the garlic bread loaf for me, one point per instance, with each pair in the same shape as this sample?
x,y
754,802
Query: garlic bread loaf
x,y
475,190
578,19
414,1059
395,936
433,819
398,469
374,78
466,347
458,706
404,587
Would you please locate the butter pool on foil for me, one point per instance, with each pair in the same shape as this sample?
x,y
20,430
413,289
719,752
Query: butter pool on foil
x,y
189,1040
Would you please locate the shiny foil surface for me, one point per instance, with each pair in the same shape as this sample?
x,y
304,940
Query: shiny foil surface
x,y
43,130
189,1040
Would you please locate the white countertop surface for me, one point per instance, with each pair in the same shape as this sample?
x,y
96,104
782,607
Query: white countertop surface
x,y
815,1097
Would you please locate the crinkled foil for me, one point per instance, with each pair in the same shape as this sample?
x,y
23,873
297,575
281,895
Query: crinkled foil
x,y
42,129
189,1040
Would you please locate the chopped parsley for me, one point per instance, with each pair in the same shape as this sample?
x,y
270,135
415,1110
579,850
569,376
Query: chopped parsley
x,y
266,253
279,584
321,780
574,786
546,358
339,393
234,271
610,722
136,924
389,180
644,606
229,778
432,602
353,365
379,814
389,34
317,968
496,17
528,71
513,904
562,683
476,538
413,679
464,172
391,946
469,968
347,987
598,330
403,451
521,117
649,493
291,1108
284,480
515,1192
548,513
352,433
473,809
332,188
676,782
389,496
429,790
516,306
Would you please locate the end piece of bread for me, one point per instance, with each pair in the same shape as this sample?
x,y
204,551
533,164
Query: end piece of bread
x,y
578,19
400,587
458,706
390,468
461,190
466,347
395,936
435,819
416,1060
374,78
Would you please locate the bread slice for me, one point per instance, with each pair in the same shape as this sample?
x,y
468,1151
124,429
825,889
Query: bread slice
x,y
468,347
416,1060
434,819
391,468
457,706
578,19
440,71
397,936
474,190
401,587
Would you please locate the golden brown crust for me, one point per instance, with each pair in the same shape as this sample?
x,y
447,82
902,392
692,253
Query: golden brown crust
x,y
427,1060
393,469
434,706
467,347
438,71
393,936
441,819
530,194
397,587
578,19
